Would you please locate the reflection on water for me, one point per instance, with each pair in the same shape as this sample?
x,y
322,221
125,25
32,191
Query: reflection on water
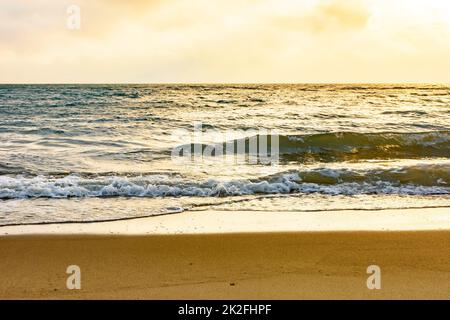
x,y
366,146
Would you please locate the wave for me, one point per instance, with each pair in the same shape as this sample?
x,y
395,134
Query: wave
x,y
413,180
344,146
354,146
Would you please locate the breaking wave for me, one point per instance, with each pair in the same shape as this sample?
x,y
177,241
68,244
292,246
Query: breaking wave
x,y
341,146
414,180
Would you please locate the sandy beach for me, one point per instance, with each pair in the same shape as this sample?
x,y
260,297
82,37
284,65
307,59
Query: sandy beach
x,y
302,264
227,150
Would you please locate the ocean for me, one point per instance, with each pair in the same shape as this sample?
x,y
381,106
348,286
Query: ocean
x,y
83,153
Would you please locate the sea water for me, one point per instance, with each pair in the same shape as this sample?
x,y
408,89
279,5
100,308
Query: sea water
x,y
106,152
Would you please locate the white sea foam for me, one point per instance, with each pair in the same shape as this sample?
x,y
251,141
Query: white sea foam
x,y
410,180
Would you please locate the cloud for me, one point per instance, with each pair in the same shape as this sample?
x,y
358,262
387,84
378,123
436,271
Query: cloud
x,y
326,16
223,40
347,14
33,25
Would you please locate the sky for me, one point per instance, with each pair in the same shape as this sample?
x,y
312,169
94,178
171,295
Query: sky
x,y
231,41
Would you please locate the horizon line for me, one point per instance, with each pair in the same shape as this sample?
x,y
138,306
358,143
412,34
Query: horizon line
x,y
225,83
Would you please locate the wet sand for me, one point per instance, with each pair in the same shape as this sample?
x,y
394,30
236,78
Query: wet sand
x,y
414,264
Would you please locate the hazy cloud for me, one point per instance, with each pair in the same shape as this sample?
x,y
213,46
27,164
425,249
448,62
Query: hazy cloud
x,y
225,40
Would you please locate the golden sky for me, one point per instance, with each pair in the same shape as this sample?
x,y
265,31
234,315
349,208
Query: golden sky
x,y
225,41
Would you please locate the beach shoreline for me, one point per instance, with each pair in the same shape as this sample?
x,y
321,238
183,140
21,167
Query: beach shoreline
x,y
127,262
215,221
